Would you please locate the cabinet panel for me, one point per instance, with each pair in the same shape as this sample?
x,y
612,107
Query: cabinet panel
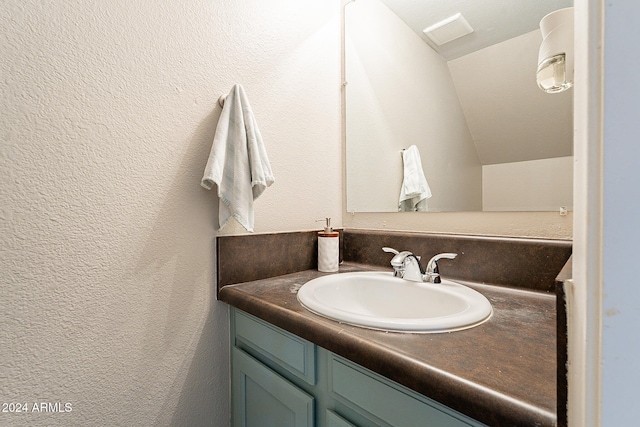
x,y
290,352
388,401
261,398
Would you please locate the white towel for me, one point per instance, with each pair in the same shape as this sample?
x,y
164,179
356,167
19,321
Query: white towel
x,y
415,190
238,163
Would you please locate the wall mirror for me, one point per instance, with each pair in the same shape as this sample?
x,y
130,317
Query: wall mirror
x,y
489,139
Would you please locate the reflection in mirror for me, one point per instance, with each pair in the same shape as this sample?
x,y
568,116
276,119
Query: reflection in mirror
x,y
489,139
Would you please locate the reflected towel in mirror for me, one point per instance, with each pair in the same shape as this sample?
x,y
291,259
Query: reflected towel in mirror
x,y
415,190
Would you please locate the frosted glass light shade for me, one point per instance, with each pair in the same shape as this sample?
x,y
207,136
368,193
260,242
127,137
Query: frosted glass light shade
x,y
555,59
552,74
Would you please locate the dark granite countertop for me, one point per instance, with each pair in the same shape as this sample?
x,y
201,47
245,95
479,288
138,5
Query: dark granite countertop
x,y
502,373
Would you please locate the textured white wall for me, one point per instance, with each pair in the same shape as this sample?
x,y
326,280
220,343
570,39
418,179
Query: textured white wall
x,y
546,225
107,254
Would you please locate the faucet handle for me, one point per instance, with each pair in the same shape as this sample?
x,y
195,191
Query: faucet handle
x,y
432,266
397,262
433,262
398,258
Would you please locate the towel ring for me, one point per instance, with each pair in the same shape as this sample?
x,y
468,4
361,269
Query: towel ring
x,y
221,100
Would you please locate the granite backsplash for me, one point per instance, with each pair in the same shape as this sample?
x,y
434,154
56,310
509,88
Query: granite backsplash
x,y
505,261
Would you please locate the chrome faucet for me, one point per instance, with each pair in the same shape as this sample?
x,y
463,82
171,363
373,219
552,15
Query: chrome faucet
x,y
407,266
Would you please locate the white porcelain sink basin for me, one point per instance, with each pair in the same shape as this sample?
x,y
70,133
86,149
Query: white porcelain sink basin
x,y
378,300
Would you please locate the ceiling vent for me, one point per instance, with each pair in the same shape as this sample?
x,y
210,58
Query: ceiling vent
x,y
448,29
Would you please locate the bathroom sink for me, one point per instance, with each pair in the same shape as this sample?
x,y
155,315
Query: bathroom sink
x,y
378,300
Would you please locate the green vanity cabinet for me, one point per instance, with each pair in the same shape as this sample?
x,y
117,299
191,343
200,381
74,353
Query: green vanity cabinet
x,y
281,380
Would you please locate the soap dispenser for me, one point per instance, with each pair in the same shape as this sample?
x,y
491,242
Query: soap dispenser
x,y
328,248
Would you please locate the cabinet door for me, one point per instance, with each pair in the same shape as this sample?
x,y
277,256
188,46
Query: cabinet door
x,y
261,398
